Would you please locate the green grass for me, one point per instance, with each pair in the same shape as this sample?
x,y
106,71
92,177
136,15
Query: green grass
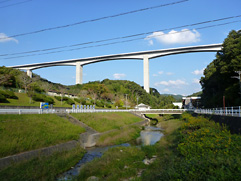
x,y
119,136
199,150
116,164
102,122
44,167
20,133
24,100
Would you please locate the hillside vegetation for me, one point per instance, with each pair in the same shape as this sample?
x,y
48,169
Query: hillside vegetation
x,y
220,77
104,94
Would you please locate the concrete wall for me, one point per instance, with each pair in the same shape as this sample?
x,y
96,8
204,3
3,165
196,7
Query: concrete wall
x,y
7,161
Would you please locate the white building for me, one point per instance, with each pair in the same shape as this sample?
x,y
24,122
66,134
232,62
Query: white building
x,y
142,107
179,104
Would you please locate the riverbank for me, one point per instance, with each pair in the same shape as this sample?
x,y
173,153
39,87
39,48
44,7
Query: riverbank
x,y
41,122
193,149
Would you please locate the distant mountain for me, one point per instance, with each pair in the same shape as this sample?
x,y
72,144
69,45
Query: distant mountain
x,y
177,97
197,94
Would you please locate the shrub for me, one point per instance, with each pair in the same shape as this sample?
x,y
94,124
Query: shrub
x,y
99,104
3,99
8,94
42,98
69,101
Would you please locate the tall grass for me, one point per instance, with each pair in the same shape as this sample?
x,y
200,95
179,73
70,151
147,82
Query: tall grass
x,y
116,164
119,136
102,122
202,150
44,167
20,133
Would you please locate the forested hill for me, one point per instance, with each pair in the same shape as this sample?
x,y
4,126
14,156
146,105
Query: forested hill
x,y
106,93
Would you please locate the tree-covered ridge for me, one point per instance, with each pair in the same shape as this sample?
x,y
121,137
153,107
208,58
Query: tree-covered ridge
x,y
218,80
106,93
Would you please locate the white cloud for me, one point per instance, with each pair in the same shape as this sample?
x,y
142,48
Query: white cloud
x,y
118,76
171,83
169,73
195,81
198,72
166,90
5,38
184,36
155,75
161,72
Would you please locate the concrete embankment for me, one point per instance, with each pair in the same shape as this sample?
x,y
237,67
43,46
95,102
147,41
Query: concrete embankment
x,y
6,161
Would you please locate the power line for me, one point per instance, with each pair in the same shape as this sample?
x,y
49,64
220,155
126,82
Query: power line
x,y
14,5
118,42
124,37
93,20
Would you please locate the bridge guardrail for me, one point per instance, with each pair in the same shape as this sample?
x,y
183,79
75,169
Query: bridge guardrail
x,y
52,111
147,111
228,111
27,111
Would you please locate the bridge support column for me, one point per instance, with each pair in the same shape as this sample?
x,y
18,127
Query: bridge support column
x,y
29,73
146,73
79,73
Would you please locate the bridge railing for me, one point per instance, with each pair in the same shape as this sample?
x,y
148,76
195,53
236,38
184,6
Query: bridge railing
x,y
228,111
27,111
147,111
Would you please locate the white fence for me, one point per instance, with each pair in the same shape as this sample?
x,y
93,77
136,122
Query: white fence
x,y
228,111
27,111
147,111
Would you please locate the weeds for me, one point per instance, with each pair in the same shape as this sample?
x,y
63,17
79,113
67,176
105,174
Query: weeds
x,y
102,122
20,133
44,167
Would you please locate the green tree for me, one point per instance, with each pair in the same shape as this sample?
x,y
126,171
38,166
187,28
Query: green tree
x,y
217,81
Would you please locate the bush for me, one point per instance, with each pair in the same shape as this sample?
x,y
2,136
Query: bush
x,y
99,104
3,99
8,94
69,101
42,98
66,99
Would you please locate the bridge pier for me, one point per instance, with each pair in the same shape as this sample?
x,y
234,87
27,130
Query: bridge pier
x,y
29,73
146,73
79,73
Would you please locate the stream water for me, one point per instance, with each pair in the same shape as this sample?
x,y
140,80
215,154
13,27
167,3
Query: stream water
x,y
149,136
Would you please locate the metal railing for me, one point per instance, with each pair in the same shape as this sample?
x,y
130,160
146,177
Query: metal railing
x,y
147,111
27,111
52,111
228,111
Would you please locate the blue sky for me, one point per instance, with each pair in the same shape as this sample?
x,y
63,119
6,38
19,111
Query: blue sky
x,y
175,74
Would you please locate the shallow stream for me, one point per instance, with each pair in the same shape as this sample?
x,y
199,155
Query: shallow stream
x,y
149,136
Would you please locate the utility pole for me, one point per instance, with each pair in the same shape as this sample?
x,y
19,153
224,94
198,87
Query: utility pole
x,y
137,98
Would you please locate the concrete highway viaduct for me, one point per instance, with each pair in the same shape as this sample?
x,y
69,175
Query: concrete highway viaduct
x,y
143,55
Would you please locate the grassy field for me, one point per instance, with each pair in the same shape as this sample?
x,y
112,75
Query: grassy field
x,y
119,136
24,100
42,168
20,133
102,122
